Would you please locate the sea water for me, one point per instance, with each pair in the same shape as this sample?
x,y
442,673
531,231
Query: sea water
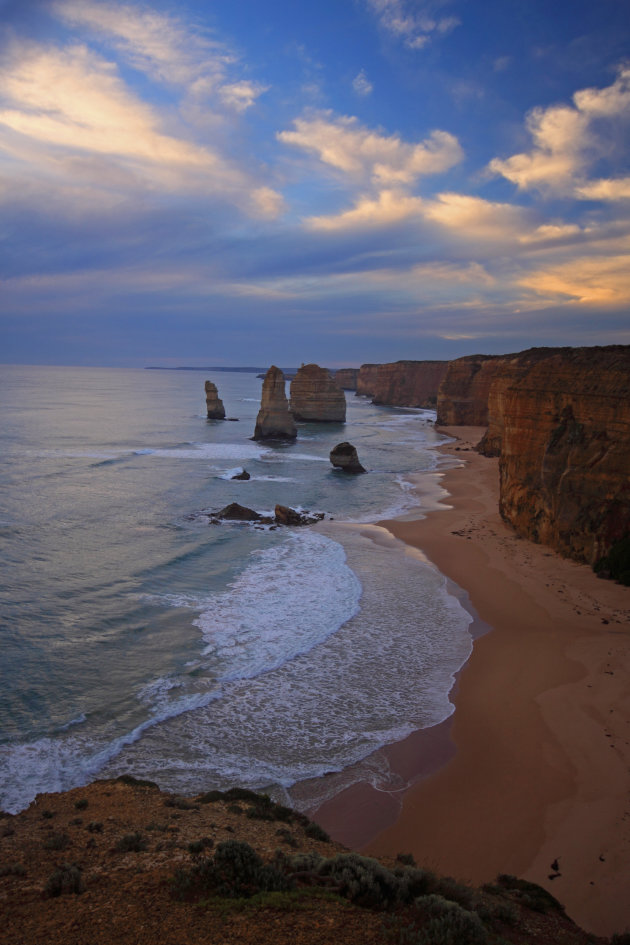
x,y
137,638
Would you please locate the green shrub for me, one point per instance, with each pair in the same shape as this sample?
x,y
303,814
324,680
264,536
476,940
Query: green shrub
x,y
47,814
82,803
66,879
198,846
529,894
315,832
180,803
234,871
131,843
362,880
95,826
57,841
620,938
136,782
12,869
447,923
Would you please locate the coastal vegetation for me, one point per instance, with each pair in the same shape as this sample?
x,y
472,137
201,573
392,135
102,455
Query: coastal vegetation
x,y
209,867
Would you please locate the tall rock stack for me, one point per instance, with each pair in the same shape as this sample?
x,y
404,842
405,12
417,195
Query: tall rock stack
x,y
214,404
315,397
274,420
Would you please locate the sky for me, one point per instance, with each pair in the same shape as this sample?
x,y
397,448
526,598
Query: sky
x,y
343,181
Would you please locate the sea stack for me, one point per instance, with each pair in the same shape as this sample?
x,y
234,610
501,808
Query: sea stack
x,y
345,456
315,397
214,404
274,421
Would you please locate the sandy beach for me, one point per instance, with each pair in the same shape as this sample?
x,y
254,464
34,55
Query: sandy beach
x,y
532,768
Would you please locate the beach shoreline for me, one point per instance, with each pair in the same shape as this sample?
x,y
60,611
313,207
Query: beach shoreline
x,y
532,768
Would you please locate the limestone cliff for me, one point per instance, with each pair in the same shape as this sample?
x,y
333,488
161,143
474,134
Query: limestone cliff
x,y
274,420
560,419
346,378
463,394
315,397
408,383
366,379
214,404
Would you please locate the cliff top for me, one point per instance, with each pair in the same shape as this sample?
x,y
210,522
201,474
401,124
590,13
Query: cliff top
x,y
121,861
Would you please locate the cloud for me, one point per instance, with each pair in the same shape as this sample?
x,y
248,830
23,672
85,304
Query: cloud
x,y
568,139
588,279
361,84
606,189
165,48
69,116
413,28
346,145
476,219
387,208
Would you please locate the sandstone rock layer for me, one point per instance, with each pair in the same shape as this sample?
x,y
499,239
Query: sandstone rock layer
x,y
402,383
346,378
274,420
315,396
214,404
560,420
463,394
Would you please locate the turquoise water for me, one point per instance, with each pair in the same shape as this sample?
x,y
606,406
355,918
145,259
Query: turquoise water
x,y
137,638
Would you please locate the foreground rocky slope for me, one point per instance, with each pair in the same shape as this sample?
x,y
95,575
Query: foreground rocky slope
x,y
121,861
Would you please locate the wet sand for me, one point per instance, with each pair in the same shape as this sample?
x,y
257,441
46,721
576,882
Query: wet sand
x,y
533,767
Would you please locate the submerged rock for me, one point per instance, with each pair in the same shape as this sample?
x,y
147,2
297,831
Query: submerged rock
x,y
274,420
244,475
345,457
315,397
214,404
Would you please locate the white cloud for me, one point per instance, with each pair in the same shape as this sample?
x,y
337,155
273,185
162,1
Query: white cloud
x,y
361,84
568,139
68,108
588,279
389,207
606,189
363,154
160,45
413,27
476,219
166,48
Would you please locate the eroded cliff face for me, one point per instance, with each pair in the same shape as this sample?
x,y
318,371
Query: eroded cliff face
x,y
366,379
274,420
463,394
560,421
315,397
402,383
346,378
409,383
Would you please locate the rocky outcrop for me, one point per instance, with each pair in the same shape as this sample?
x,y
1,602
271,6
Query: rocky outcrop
x,y
408,383
274,420
243,475
315,397
346,378
287,516
366,380
214,405
463,395
560,420
345,457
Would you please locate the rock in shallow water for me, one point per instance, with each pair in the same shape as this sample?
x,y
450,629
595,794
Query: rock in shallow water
x,y
345,457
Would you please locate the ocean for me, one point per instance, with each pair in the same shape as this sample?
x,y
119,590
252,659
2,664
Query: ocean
x,y
136,638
